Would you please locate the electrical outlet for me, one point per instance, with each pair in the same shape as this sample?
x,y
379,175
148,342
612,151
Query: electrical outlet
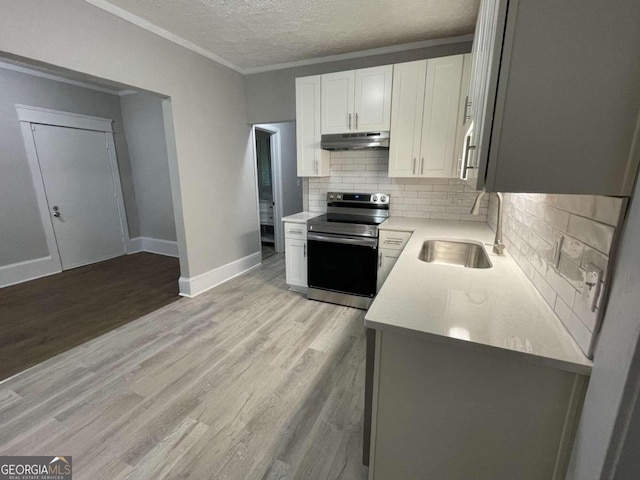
x,y
592,283
557,249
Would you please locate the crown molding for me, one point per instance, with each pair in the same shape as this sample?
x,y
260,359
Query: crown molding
x,y
362,53
49,76
161,32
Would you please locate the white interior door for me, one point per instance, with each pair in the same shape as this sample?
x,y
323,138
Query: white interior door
x,y
80,190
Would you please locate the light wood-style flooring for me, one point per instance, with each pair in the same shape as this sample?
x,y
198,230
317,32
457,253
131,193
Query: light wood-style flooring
x,y
44,317
246,381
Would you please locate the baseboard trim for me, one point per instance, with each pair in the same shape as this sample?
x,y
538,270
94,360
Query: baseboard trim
x,y
153,245
28,270
193,286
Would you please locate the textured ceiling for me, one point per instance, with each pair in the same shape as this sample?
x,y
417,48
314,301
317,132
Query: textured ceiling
x,y
257,33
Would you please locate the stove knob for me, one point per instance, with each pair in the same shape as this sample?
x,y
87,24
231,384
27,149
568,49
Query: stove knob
x,y
331,197
339,197
383,198
375,198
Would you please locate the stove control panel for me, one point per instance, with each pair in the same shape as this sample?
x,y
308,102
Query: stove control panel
x,y
360,198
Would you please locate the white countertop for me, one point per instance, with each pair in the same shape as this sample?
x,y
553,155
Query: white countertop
x,y
301,217
495,308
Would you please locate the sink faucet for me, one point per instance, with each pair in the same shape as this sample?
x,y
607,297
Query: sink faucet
x,y
498,246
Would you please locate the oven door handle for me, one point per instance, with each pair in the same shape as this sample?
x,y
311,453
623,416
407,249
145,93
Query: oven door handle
x,y
361,241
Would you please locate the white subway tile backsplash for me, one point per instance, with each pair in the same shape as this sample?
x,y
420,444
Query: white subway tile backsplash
x,y
545,289
574,325
531,224
592,233
607,210
367,171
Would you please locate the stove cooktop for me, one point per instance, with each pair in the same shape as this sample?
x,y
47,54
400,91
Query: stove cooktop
x,y
348,218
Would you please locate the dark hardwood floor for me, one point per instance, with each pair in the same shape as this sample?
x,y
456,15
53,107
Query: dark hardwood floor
x,y
44,317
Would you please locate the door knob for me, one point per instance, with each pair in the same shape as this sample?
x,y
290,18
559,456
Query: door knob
x,y
56,211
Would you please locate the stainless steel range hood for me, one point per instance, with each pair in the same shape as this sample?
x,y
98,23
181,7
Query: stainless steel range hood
x,y
356,141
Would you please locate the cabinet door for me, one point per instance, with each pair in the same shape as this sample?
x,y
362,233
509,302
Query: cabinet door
x,y
440,116
373,99
464,117
312,160
406,117
296,262
337,102
486,56
386,260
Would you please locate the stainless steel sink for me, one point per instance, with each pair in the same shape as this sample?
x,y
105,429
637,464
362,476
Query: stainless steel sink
x,y
450,252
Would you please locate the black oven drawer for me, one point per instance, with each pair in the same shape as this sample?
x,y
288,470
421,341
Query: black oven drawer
x,y
342,264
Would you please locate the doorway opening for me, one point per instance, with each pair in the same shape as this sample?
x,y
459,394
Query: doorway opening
x,y
266,194
279,190
88,229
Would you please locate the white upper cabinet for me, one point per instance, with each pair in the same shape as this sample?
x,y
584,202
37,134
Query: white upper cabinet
x,y
426,117
555,110
312,160
372,109
440,116
406,117
338,92
464,116
357,100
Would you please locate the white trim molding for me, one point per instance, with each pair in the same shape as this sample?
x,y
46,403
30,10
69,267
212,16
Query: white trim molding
x,y
361,53
47,116
19,272
161,32
57,78
193,286
172,37
153,245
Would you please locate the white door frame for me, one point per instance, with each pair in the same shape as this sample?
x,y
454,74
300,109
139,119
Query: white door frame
x,y
276,181
29,117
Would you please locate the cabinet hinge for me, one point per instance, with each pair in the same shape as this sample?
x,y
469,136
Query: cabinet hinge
x,y
33,127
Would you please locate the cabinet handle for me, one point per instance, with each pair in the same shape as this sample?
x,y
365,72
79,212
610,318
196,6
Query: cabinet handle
x,y
297,232
356,122
304,245
422,166
316,167
349,120
414,166
467,104
393,241
380,260
465,157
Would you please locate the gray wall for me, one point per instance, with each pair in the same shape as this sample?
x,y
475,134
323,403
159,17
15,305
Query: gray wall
x,y
271,96
210,152
144,129
21,232
291,184
612,392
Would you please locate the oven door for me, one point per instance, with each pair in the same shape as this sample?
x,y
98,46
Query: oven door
x,y
342,263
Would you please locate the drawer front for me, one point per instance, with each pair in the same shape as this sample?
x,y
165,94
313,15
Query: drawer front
x,y
295,230
394,240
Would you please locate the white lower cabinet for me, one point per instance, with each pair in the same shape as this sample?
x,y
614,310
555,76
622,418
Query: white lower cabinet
x,y
295,246
391,244
446,412
386,260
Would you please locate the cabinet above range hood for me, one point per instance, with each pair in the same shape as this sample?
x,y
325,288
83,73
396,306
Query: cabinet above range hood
x,y
355,141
